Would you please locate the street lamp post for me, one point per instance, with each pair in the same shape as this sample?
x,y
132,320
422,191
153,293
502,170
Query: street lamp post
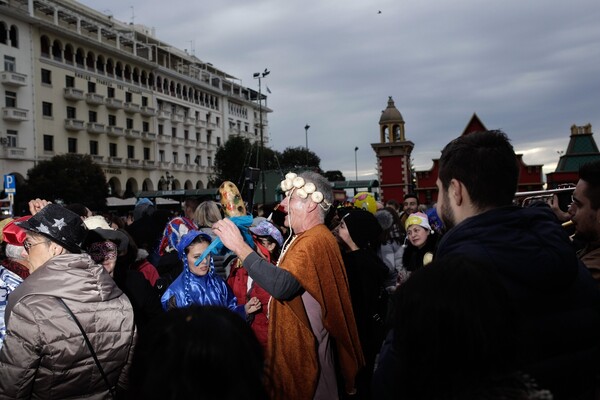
x,y
355,164
259,76
306,127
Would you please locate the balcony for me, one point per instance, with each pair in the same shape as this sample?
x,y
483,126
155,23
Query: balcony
x,y
113,103
131,107
95,128
132,162
164,139
178,141
178,118
235,132
13,79
94,99
177,166
115,160
74,125
97,158
200,124
191,167
164,164
148,111
148,164
15,114
188,143
162,114
115,131
13,152
148,136
132,134
73,94
187,121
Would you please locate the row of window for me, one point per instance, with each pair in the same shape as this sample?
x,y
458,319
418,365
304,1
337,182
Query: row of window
x,y
72,147
107,66
9,36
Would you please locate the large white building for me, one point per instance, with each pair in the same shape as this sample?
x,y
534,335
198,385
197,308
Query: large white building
x,y
78,81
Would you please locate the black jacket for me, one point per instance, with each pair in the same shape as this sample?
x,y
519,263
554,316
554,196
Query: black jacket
x,y
555,294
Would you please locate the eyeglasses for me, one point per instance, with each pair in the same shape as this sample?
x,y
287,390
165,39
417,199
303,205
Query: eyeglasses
x,y
28,245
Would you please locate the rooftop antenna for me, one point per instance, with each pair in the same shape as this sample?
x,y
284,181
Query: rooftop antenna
x,y
132,16
192,48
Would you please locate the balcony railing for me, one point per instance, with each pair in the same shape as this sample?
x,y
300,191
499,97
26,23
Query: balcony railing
x,y
176,117
132,134
148,136
200,124
188,143
148,164
74,124
115,131
13,152
113,103
97,158
131,107
73,94
148,111
162,114
15,114
189,121
95,128
9,78
94,99
164,139
115,160
178,141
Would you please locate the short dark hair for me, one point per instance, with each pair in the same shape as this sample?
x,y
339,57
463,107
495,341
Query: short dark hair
x,y
198,344
590,173
485,162
393,203
411,196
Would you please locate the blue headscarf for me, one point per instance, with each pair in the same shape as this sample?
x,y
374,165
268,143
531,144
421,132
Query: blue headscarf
x,y
190,289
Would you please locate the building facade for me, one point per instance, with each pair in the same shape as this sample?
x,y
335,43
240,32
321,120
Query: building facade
x,y
582,149
530,176
393,152
78,81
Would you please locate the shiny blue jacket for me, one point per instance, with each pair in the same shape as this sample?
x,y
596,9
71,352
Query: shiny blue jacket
x,y
208,290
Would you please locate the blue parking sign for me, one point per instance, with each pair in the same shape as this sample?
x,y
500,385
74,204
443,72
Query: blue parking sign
x,y
10,185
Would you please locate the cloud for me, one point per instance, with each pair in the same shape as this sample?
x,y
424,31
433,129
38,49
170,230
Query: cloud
x,y
529,68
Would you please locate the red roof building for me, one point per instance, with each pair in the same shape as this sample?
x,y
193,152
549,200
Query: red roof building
x,y
530,176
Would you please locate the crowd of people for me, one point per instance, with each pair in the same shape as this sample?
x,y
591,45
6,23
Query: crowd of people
x,y
472,298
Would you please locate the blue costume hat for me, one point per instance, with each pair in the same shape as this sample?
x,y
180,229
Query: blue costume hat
x,y
187,239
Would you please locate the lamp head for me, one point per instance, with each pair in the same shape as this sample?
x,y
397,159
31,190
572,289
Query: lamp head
x,y
256,74
307,126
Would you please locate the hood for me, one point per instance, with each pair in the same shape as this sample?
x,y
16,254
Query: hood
x,y
527,246
69,276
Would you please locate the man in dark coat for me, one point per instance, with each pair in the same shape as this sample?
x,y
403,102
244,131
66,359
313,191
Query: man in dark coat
x,y
555,294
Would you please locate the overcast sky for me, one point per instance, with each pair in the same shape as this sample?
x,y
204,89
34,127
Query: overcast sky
x,y
528,67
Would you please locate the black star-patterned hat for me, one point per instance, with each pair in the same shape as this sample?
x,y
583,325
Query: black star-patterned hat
x,y
59,225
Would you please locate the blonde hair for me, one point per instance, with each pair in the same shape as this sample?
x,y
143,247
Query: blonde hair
x,y
207,213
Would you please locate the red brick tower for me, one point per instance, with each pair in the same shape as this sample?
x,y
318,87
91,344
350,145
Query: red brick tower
x,y
393,155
